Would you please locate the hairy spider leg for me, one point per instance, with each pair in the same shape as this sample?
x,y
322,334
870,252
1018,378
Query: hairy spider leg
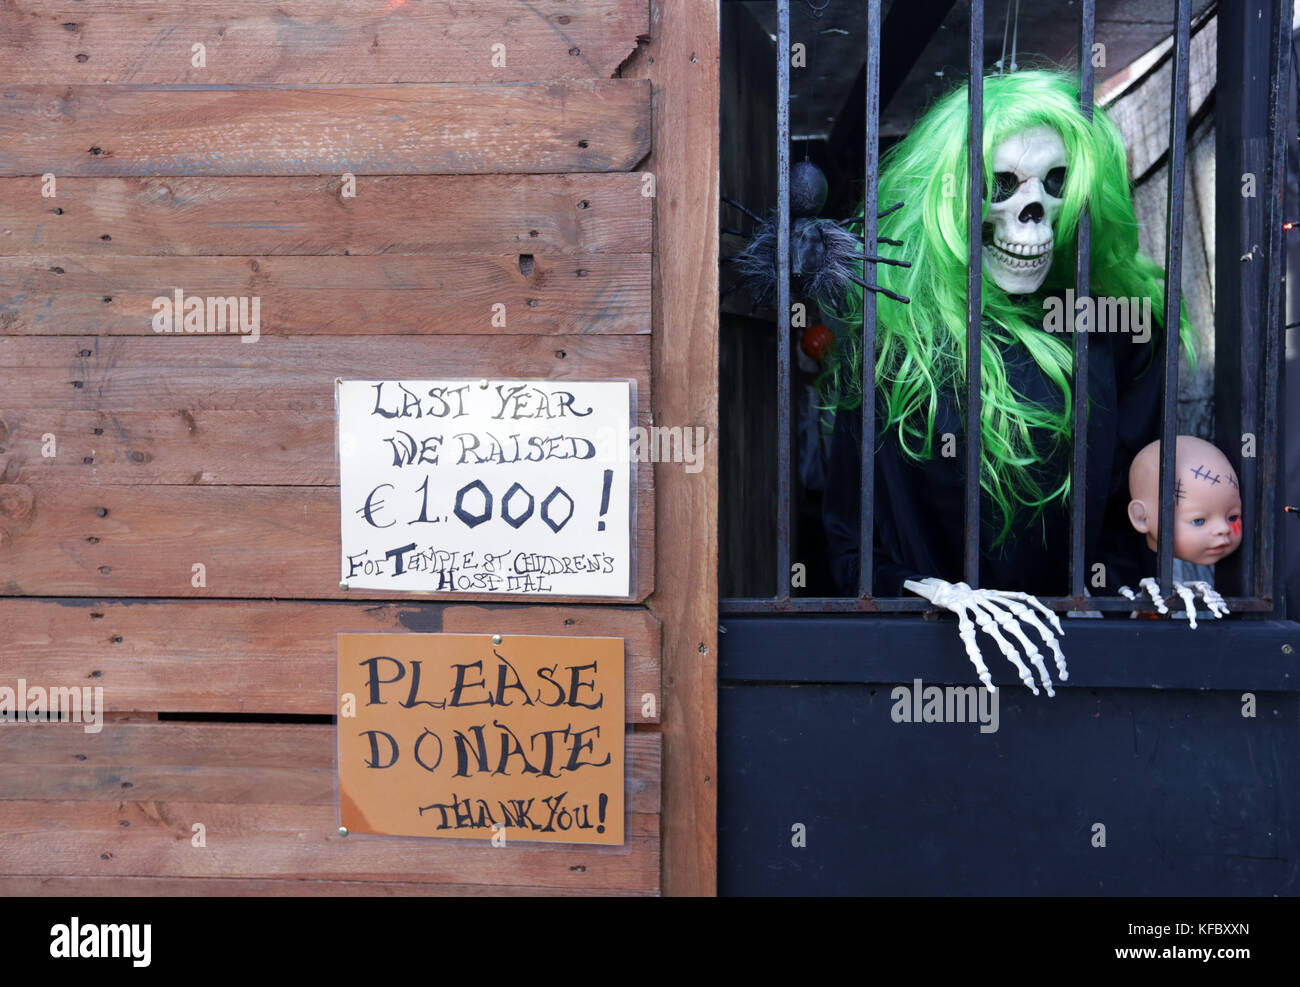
x,y
876,288
883,260
748,212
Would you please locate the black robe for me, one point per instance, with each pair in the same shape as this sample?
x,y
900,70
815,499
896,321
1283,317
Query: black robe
x,y
919,506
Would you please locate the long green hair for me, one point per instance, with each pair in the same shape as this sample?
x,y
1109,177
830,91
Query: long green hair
x,y
921,346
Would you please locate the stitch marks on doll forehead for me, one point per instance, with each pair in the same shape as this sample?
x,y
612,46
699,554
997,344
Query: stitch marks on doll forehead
x,y
1201,473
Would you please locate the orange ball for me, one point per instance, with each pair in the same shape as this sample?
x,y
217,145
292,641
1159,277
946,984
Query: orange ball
x,y
817,341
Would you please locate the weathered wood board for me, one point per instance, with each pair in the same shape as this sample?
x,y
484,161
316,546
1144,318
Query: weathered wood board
x,y
143,539
293,373
389,295
262,763
79,838
198,656
441,128
316,41
391,214
182,887
682,60
273,447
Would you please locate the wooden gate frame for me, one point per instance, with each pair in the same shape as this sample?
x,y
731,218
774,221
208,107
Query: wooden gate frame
x,y
682,61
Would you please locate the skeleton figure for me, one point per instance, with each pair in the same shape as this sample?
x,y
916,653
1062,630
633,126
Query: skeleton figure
x,y
1029,174
994,610
1044,163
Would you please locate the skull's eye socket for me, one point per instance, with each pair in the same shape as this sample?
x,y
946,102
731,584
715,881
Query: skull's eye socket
x,y
1004,185
1054,182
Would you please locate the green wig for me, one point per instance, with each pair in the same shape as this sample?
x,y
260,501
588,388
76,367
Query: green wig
x,y
921,346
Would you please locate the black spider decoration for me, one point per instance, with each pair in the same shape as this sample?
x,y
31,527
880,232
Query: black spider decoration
x,y
824,254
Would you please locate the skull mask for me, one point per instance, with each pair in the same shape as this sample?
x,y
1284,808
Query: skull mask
x,y
1028,178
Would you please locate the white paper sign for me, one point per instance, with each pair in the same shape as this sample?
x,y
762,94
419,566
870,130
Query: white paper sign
x,y
516,487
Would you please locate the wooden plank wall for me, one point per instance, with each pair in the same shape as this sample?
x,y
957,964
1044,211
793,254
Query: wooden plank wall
x,y
483,175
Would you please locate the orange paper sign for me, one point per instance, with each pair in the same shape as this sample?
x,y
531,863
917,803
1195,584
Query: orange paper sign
x,y
454,735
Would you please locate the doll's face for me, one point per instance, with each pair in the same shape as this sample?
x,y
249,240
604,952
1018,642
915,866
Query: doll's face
x,y
1028,176
1207,515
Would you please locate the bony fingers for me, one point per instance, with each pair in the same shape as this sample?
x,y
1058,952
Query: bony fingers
x,y
1010,621
966,631
989,625
1153,591
1212,598
1049,639
1038,605
1058,656
1006,597
1189,603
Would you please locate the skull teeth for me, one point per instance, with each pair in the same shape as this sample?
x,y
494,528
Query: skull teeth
x,y
1028,250
1020,263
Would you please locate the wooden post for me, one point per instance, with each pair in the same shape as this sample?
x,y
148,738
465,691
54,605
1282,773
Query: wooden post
x,y
681,61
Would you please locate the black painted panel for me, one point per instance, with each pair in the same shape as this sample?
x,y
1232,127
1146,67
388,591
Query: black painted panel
x,y
1196,799
1163,653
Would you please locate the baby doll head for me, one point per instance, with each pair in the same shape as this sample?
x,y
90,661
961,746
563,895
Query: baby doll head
x,y
1207,500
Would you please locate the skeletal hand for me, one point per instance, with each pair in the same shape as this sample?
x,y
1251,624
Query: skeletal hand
x,y
1188,592
996,611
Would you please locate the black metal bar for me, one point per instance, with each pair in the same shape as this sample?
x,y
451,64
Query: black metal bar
x,y
910,26
1269,569
1173,291
974,272
871,156
784,394
1150,655
1240,133
912,604
1082,275
1260,591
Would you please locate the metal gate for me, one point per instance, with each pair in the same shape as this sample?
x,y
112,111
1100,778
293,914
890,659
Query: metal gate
x,y
1168,763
